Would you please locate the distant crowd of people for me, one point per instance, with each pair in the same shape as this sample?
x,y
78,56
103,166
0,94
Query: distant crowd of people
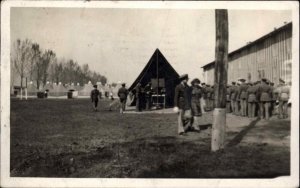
x,y
250,99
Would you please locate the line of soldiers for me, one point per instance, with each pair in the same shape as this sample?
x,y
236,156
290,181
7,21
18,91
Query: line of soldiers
x,y
253,98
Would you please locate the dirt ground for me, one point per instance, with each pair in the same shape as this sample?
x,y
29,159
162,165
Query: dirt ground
x,y
66,138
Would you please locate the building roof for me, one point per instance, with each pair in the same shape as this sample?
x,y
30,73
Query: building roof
x,y
284,27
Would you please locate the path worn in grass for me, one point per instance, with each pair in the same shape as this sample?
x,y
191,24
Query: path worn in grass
x,y
65,138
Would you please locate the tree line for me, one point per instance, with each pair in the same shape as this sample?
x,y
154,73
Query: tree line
x,y
30,61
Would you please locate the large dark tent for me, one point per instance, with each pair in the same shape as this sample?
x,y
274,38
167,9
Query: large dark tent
x,y
159,71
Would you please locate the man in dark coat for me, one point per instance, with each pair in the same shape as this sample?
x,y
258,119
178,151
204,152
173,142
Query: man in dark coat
x,y
182,103
148,95
196,103
122,93
95,95
265,97
138,96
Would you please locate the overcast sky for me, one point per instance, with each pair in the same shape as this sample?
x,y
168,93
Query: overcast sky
x,y
119,42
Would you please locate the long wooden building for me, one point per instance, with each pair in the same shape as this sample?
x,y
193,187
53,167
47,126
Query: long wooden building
x,y
267,57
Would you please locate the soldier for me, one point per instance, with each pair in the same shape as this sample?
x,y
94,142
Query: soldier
x,y
237,99
182,103
138,96
273,100
242,95
148,95
203,98
251,99
94,97
122,93
233,96
283,97
196,103
265,96
208,96
228,91
212,98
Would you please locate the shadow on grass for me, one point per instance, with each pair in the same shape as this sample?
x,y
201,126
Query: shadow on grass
x,y
239,137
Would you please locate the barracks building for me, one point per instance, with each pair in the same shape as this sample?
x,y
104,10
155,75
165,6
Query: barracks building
x,y
267,57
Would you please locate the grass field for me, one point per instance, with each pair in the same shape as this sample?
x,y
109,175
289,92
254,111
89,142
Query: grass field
x,y
65,138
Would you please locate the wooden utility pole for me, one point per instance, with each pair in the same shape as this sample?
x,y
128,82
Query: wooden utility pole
x,y
221,65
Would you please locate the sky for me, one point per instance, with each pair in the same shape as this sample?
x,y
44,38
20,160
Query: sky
x,y
119,42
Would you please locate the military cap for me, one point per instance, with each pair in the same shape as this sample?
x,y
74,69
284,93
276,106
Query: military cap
x,y
195,81
184,76
281,80
207,85
264,80
95,86
242,80
250,83
203,83
233,83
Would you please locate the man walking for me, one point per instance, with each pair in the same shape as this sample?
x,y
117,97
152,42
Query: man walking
x,y
182,103
122,93
95,95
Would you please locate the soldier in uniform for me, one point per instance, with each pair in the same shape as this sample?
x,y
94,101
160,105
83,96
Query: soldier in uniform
x,y
237,99
251,99
122,93
208,96
138,96
265,96
212,98
203,98
95,94
182,103
148,95
196,103
283,97
228,91
273,100
242,95
233,96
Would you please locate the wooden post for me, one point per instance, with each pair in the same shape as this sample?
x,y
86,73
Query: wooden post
x,y
221,66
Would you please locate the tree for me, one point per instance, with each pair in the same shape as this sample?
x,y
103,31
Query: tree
x,y
36,58
47,58
21,57
221,66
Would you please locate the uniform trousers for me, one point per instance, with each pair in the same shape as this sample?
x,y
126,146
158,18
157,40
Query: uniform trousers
x,y
232,102
283,106
251,109
243,107
184,123
122,105
264,109
237,107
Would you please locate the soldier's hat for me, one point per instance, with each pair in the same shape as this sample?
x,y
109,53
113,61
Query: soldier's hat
x,y
264,80
233,82
184,76
207,85
250,83
281,80
95,86
242,80
203,83
195,81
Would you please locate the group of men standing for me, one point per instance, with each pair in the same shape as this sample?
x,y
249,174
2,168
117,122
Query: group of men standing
x,y
258,98
243,99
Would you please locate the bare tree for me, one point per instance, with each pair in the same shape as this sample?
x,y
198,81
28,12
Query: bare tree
x,y
21,57
47,58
